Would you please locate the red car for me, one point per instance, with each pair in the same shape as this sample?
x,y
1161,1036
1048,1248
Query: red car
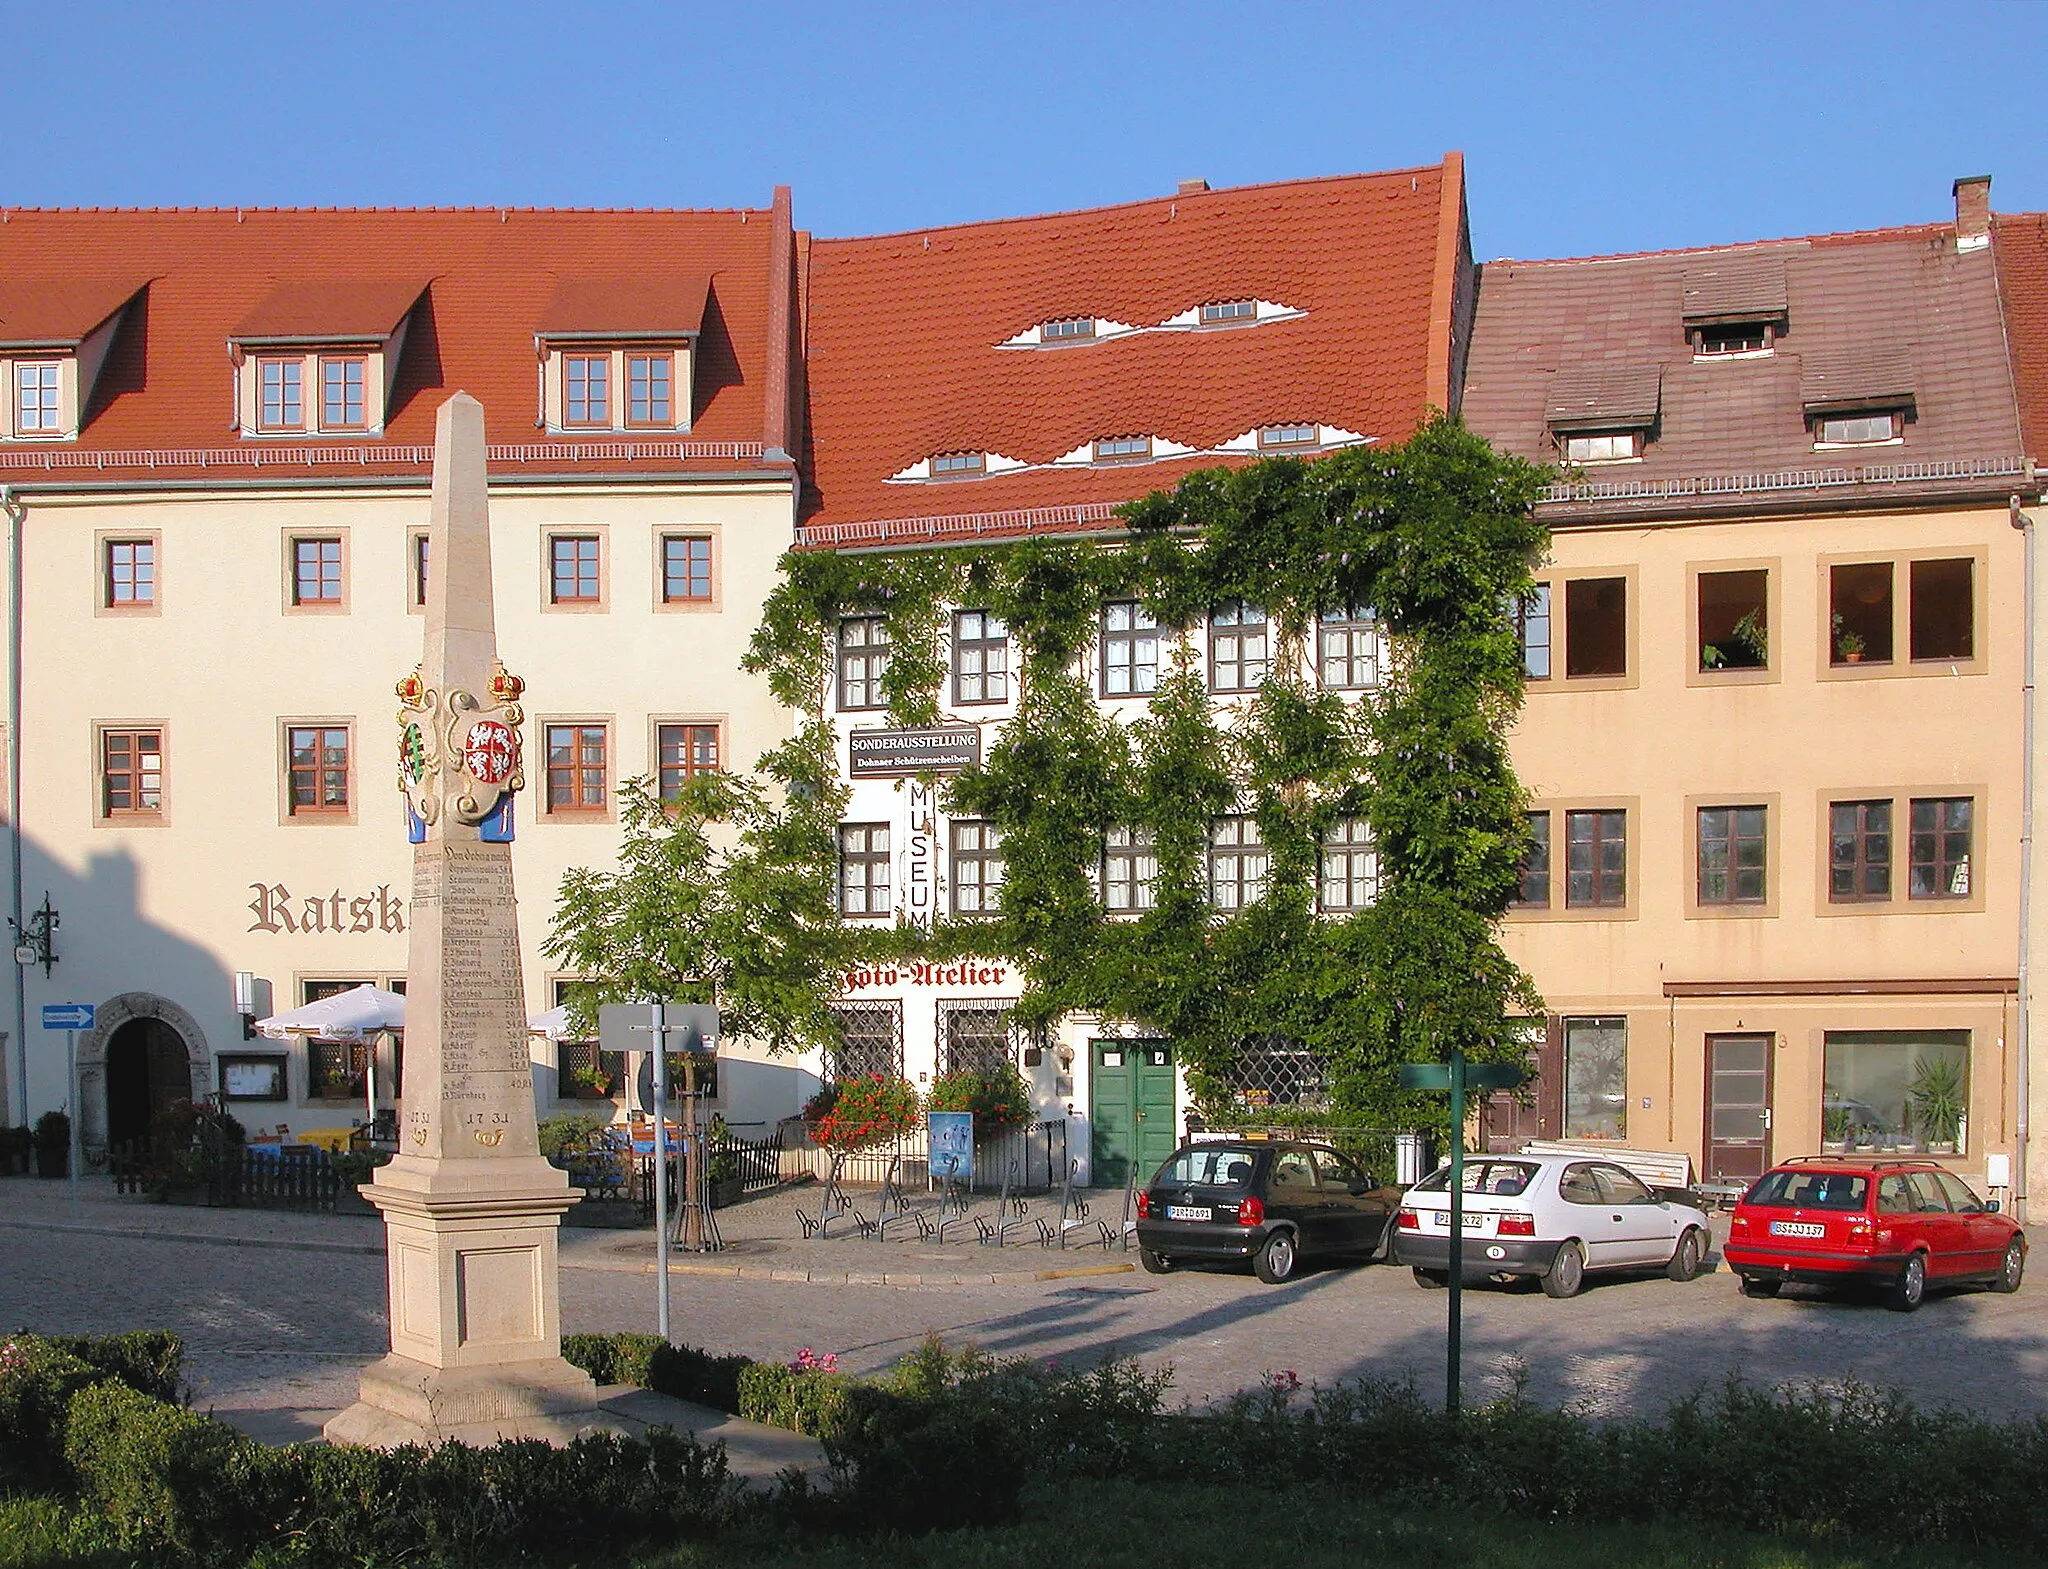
x,y
1900,1224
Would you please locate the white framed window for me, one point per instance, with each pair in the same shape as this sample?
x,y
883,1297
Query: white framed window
x,y
1351,868
1857,430
1130,871
1237,863
1617,446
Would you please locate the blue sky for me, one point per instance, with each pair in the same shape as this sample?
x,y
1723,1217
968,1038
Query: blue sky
x,y
1586,128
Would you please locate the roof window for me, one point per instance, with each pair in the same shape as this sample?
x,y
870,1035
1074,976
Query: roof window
x,y
959,465
1733,339
1230,310
1858,430
1068,330
1604,413
319,357
1734,304
54,337
1271,436
1859,397
617,353
1122,449
1614,446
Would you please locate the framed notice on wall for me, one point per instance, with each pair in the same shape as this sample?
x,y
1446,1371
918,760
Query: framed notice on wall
x,y
252,1078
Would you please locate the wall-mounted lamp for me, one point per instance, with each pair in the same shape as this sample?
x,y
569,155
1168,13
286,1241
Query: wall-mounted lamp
x,y
252,1001
35,939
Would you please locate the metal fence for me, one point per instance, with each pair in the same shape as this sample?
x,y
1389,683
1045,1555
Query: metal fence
x,y
1032,1158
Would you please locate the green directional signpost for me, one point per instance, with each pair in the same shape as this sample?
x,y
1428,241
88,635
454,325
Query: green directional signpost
x,y
1458,1076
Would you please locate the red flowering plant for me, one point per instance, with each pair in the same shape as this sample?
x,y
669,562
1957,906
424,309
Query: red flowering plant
x,y
856,1113
998,1097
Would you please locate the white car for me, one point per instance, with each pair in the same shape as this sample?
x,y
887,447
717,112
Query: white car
x,y
1552,1216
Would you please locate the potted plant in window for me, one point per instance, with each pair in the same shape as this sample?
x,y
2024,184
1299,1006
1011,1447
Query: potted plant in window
x,y
1848,642
1834,1130
1936,1098
591,1081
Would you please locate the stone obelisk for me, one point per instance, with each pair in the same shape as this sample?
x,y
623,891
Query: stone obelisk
x,y
470,1208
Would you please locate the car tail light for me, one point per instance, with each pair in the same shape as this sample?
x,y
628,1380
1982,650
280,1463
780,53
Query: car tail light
x,y
1739,1223
1516,1226
1408,1220
1861,1231
1144,1206
1251,1212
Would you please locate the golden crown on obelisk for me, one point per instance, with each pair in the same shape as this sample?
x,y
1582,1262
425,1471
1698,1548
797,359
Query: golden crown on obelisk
x,y
457,750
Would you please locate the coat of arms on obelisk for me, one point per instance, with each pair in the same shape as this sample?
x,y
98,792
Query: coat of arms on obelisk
x,y
460,753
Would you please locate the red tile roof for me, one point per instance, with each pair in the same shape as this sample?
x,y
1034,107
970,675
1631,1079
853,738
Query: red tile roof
x,y
2021,244
315,310
162,406
904,332
627,307
59,311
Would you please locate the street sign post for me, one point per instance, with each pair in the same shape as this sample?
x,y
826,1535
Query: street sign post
x,y
1457,1076
70,1017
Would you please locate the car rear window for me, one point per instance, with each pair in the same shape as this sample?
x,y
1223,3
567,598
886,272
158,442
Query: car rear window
x,y
1208,1168
1809,1190
1508,1178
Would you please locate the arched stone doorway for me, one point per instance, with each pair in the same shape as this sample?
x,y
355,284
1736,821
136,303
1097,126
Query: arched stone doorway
x,y
123,1072
146,1071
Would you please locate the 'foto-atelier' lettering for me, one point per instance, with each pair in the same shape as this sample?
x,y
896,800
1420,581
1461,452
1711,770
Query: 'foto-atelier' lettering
x,y
968,974
277,909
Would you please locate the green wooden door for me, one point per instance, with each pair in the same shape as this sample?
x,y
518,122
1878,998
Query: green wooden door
x,y
1131,1103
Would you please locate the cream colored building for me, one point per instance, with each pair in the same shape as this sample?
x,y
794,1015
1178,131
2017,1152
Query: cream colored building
x,y
217,562
1772,731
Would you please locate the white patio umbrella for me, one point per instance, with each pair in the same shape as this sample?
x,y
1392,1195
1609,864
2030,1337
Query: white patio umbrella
x,y
554,1023
360,1014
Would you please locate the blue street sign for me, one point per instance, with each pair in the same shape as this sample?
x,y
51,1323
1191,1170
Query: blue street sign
x,y
67,1015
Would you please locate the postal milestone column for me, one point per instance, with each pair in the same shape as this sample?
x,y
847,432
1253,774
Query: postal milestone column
x,y
470,1208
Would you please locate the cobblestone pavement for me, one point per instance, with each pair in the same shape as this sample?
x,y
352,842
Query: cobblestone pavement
x,y
279,1311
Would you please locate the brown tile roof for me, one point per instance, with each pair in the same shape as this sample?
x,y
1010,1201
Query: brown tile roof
x,y
162,403
904,332
316,310
1898,307
2021,243
58,312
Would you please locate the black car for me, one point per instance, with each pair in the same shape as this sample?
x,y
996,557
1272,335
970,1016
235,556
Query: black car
x,y
1274,1202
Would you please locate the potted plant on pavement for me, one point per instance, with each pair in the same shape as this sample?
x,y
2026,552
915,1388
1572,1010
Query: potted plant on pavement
x,y
53,1144
859,1113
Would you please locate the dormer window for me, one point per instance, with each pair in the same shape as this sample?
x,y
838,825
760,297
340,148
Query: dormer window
x,y
1856,430
616,354
54,337
1067,331
1603,447
1229,310
1282,436
959,465
1123,449
1724,340
318,358
1857,397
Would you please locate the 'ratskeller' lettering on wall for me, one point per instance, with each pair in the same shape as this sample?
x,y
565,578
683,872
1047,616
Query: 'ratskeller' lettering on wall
x,y
277,909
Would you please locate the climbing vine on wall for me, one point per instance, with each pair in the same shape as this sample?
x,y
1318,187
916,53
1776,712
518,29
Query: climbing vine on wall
x,y
1438,536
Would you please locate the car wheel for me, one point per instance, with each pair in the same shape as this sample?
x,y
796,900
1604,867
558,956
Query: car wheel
x,y
2015,1265
1688,1256
1761,1285
1567,1272
1275,1259
1155,1263
1908,1291
1431,1279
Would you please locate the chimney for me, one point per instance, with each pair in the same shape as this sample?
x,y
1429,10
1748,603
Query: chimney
x,y
1192,187
1973,212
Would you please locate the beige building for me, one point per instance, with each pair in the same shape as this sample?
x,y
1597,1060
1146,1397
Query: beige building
x,y
1776,694
215,475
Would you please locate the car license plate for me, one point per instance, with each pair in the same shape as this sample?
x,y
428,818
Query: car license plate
x,y
1797,1228
1187,1212
1441,1219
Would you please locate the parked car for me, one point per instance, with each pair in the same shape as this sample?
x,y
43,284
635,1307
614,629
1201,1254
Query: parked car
x,y
1274,1202
1889,1221
1557,1217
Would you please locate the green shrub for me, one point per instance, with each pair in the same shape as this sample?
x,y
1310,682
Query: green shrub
x,y
683,1372
158,1471
149,1361
998,1098
37,1382
356,1167
812,1403
568,1134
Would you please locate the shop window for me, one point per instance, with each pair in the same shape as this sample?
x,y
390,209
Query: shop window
x,y
1240,647
1859,851
1130,871
977,868
1734,625
1348,654
974,1037
1130,650
1596,627
1237,863
870,1041
1731,845
1860,613
981,658
1941,600
1351,868
1938,849
1596,1078
1532,622
863,660
337,1070
1534,893
864,869
1896,1090
1596,859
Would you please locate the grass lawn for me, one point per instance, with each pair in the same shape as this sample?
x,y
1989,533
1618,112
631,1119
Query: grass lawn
x,y
1117,1526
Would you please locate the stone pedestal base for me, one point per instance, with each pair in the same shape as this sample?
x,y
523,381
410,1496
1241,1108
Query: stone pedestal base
x,y
408,1402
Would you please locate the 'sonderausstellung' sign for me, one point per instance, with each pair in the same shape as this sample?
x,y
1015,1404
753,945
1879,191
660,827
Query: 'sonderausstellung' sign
x,y
890,754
